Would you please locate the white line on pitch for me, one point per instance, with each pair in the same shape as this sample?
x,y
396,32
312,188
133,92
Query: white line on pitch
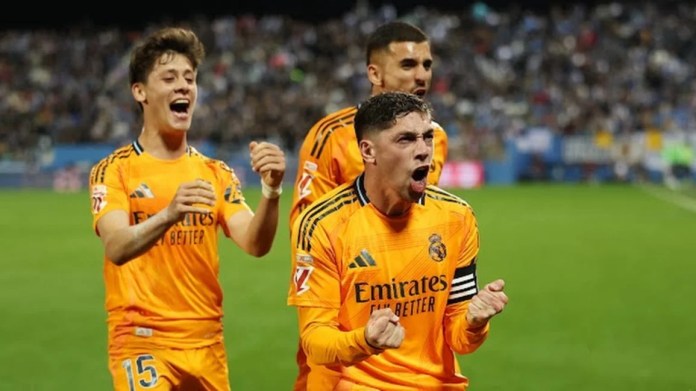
x,y
671,197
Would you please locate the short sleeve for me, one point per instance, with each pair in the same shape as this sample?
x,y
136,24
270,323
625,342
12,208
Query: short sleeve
x,y
233,200
107,190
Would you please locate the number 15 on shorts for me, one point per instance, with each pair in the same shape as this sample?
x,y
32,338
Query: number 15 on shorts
x,y
141,370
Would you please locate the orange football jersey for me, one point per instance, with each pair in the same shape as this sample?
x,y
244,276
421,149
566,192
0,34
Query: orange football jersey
x,y
350,259
170,295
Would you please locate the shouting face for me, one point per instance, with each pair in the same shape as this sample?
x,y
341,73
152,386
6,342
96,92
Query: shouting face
x,y
169,95
401,156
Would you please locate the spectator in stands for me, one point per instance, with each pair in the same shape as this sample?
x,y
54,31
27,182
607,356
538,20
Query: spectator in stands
x,y
573,69
678,156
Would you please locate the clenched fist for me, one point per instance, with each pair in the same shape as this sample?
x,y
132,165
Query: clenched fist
x,y
269,161
488,302
191,197
383,330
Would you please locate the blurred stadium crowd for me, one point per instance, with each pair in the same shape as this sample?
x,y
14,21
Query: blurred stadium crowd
x,y
602,70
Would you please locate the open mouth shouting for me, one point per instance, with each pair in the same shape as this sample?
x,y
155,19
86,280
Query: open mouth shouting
x,y
180,108
419,178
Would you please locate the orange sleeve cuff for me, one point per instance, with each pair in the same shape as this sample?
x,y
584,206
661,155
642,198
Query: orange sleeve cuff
x,y
325,344
462,337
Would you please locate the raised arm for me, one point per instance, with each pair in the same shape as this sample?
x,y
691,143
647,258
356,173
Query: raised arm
x,y
466,330
255,232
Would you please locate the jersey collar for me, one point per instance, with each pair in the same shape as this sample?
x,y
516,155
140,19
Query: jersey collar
x,y
139,148
359,186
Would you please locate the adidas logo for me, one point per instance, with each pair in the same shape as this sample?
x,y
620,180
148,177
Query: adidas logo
x,y
363,260
143,191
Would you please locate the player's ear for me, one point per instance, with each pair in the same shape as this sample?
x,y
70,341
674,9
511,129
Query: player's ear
x,y
367,150
138,91
374,74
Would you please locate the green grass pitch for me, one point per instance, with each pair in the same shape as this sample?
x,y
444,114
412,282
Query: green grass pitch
x,y
600,280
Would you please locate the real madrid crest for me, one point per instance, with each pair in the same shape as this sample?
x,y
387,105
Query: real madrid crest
x,y
437,249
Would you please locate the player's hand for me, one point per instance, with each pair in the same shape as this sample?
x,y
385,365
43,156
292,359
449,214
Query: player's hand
x,y
383,330
487,303
269,161
191,197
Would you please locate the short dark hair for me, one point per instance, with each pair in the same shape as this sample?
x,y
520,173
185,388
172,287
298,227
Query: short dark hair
x,y
169,40
381,111
395,31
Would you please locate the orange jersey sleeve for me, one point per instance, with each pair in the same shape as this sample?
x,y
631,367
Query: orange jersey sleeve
x,y
329,157
350,259
440,149
170,295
